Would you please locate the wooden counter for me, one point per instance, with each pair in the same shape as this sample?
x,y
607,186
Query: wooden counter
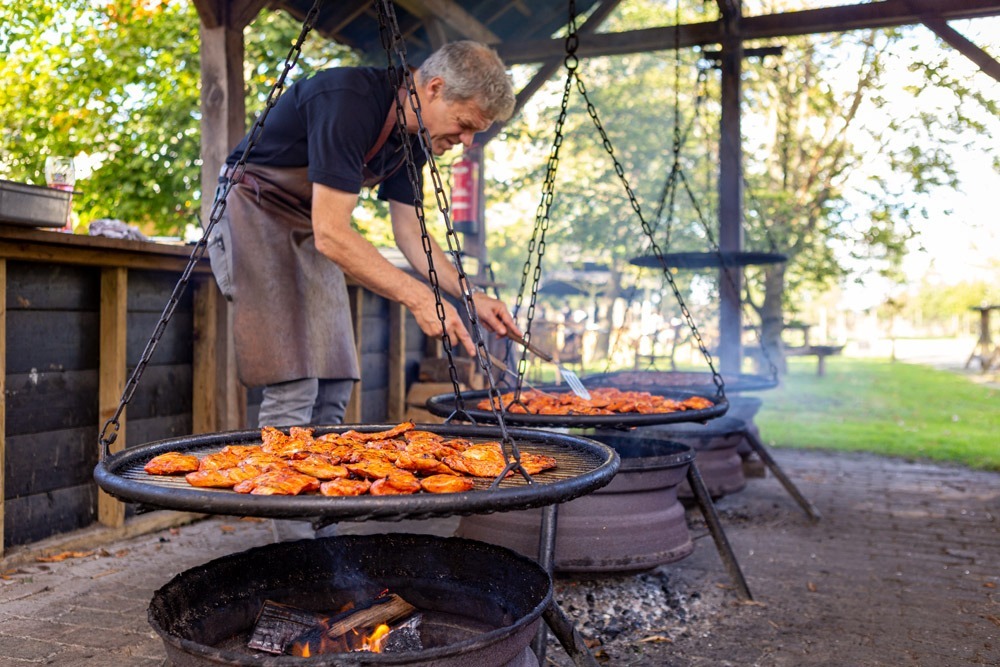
x,y
78,313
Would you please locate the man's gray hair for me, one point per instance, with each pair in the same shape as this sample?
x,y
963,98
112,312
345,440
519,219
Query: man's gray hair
x,y
472,71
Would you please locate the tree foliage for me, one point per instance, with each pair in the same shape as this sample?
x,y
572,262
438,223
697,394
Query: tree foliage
x,y
115,85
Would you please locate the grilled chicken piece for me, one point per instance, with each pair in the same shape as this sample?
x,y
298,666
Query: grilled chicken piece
x,y
437,449
345,487
171,463
320,467
278,483
228,457
536,463
485,460
396,483
446,484
422,436
372,469
422,463
379,435
386,445
264,460
223,479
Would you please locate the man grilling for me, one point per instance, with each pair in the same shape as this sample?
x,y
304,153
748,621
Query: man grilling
x,y
285,241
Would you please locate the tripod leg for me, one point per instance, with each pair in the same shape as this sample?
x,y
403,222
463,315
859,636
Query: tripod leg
x,y
704,501
546,558
568,636
776,470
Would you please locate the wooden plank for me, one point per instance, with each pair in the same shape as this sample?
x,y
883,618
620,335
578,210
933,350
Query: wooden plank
x,y
175,345
40,402
452,14
49,341
150,291
883,14
41,515
34,286
355,295
151,429
162,391
963,45
111,383
3,402
59,459
223,107
205,362
396,397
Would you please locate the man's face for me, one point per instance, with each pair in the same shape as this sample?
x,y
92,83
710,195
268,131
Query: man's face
x,y
452,123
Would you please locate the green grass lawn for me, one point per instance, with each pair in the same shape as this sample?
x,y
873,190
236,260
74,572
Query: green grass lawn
x,y
895,409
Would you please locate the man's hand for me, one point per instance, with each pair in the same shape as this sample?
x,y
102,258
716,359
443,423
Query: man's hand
x,y
494,314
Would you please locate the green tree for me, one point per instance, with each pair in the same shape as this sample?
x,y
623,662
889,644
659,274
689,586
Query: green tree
x,y
114,84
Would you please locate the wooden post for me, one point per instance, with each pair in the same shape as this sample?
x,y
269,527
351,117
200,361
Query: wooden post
x,y
730,191
3,393
111,374
396,398
353,413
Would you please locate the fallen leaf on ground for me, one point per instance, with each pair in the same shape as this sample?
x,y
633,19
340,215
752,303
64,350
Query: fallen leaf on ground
x,y
63,556
773,624
252,519
227,529
990,584
992,619
591,643
750,603
811,586
657,639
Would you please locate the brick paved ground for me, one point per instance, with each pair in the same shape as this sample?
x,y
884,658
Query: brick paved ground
x,y
903,570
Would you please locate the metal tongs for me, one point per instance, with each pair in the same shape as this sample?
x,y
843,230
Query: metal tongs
x,y
572,379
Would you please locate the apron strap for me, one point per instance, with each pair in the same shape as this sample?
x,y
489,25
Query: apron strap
x,y
390,123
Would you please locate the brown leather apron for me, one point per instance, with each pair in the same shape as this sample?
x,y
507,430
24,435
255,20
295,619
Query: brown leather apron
x,y
291,314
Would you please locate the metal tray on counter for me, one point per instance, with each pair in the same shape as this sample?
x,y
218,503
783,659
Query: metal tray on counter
x,y
33,205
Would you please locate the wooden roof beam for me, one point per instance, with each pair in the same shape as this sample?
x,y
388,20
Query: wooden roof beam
x,y
549,67
452,14
884,14
960,43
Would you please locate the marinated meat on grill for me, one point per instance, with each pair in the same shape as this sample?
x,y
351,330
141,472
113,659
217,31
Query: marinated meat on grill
x,y
446,484
372,469
171,463
345,487
400,460
603,401
484,460
396,483
278,483
422,463
320,467
379,435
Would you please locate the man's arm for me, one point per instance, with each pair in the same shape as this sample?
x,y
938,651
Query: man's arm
x,y
359,259
406,230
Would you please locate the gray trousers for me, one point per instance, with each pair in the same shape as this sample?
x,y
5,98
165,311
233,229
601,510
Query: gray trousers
x,y
306,401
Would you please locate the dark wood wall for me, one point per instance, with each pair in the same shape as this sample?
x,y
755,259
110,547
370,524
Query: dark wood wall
x,y
52,361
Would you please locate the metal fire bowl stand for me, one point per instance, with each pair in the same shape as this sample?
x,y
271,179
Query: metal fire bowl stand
x,y
582,466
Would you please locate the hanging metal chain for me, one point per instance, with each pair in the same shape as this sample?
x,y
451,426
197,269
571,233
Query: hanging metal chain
x,y
536,245
109,432
392,42
592,110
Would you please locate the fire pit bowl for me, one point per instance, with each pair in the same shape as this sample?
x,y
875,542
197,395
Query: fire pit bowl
x,y
481,604
716,443
634,523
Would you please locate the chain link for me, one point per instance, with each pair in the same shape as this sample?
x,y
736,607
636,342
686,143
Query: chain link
x,y
392,41
109,432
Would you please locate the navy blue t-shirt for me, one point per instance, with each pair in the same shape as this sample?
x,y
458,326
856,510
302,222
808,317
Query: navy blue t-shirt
x,y
329,122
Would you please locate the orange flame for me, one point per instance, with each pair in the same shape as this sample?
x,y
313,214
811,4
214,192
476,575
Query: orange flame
x,y
373,642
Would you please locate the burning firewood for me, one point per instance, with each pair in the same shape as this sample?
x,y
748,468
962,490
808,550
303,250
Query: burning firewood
x,y
282,628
